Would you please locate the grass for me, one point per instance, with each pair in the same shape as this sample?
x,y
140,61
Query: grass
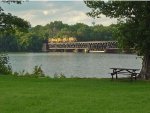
x,y
45,95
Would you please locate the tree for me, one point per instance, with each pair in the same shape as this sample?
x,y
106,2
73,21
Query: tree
x,y
65,32
10,26
9,23
5,67
6,40
134,28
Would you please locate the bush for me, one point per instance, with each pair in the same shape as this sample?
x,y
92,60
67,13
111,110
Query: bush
x,y
61,75
5,67
37,71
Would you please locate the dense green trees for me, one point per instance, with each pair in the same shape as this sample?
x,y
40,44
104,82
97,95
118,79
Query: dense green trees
x,y
134,28
81,31
34,38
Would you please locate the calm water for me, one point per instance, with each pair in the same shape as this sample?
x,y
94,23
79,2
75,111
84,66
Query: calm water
x,y
74,64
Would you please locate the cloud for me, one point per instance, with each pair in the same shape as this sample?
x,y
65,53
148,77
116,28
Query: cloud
x,y
45,12
41,13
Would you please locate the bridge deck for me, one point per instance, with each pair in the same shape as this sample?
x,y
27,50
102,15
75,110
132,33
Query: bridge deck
x,y
89,45
85,42
68,48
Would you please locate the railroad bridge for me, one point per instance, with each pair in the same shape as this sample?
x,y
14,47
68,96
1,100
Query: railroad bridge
x,y
81,46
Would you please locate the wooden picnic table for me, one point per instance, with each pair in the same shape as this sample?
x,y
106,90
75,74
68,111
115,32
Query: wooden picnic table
x,y
124,71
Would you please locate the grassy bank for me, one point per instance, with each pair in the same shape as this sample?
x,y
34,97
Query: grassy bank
x,y
44,95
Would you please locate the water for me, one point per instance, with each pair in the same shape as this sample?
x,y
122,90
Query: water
x,y
74,64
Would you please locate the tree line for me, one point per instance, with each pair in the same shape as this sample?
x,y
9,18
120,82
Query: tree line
x,y
33,39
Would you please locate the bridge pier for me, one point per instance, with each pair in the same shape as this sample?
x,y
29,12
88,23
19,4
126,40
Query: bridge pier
x,y
86,50
75,51
45,47
65,50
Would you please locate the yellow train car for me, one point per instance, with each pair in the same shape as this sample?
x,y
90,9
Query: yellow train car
x,y
49,40
72,39
52,40
65,39
60,40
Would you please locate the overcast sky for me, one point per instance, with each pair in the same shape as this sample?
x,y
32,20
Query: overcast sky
x,y
43,12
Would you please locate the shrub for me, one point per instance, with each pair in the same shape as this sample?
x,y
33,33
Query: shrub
x,y
61,75
5,67
56,75
37,71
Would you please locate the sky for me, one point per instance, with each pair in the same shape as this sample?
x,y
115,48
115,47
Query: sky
x,y
44,12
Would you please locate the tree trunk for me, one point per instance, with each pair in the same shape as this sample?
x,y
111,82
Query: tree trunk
x,y
145,71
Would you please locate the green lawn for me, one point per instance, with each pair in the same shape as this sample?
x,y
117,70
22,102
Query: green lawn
x,y
45,95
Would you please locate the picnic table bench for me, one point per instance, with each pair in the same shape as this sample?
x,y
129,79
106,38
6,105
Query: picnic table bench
x,y
124,71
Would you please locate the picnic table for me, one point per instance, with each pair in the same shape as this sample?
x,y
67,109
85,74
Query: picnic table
x,y
124,71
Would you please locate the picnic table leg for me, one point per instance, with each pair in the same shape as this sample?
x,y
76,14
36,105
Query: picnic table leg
x,y
135,75
112,76
132,77
116,76
115,72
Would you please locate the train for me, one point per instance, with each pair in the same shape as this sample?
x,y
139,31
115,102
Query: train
x,y
62,40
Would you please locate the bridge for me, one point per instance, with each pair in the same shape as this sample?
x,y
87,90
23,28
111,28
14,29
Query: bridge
x,y
89,46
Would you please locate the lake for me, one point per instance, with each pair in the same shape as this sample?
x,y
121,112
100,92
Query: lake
x,y
74,64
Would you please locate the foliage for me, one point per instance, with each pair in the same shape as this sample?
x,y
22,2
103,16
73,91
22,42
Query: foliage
x,y
5,67
9,26
134,21
6,40
37,72
61,75
9,23
81,31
